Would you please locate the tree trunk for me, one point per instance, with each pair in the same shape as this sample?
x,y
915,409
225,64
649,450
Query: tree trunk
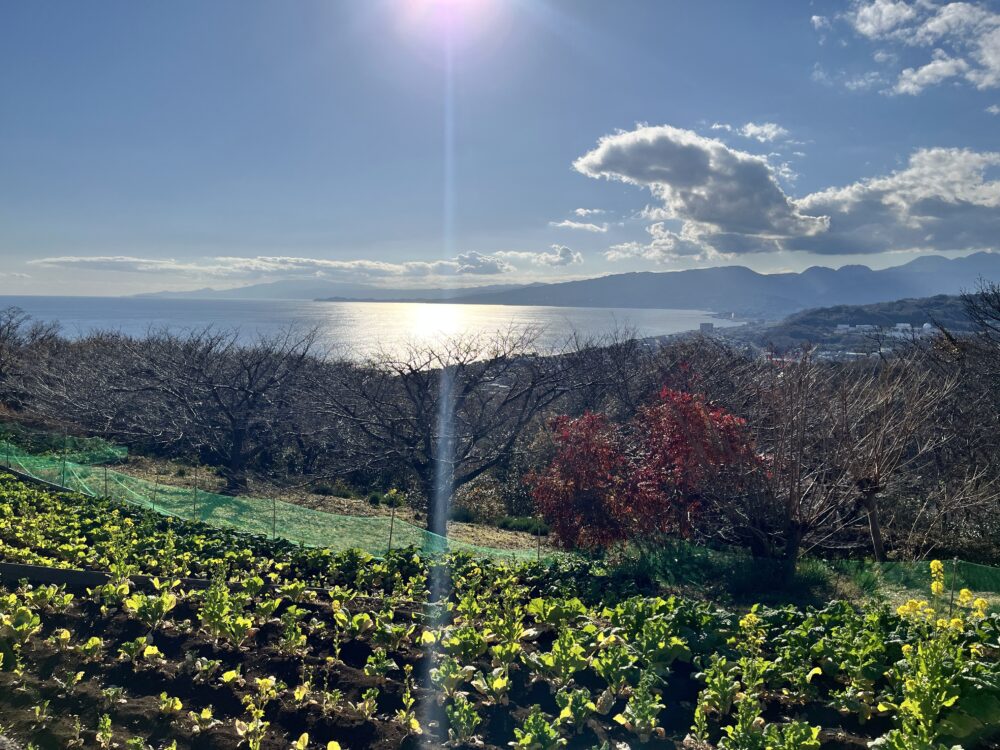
x,y
793,544
236,474
438,501
878,544
439,505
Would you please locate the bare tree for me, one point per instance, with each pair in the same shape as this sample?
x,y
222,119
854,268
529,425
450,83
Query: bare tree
x,y
834,439
21,341
448,413
205,392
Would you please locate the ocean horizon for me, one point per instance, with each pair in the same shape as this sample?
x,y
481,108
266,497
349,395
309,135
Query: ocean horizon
x,y
355,329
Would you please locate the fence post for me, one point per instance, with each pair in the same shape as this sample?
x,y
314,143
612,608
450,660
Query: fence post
x,y
392,524
65,448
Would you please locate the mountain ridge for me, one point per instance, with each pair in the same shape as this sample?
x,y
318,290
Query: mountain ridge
x,y
745,292
723,289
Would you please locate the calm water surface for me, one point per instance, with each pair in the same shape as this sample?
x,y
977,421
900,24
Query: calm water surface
x,y
354,328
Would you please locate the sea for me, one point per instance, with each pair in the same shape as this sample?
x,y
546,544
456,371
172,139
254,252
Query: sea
x,y
358,329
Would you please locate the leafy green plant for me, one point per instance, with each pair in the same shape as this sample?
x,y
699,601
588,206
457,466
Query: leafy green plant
x,y
170,705
449,675
368,704
565,659
150,609
575,707
203,720
466,642
255,727
556,612
222,614
795,735
641,715
717,697
379,665
494,686
105,734
462,720
407,715
613,662
292,640
537,733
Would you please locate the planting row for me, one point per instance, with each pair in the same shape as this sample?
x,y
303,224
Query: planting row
x,y
291,648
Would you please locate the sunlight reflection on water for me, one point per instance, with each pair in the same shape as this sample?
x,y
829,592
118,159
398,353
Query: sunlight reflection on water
x,y
355,328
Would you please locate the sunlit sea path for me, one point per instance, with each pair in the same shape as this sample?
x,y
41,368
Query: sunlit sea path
x,y
355,328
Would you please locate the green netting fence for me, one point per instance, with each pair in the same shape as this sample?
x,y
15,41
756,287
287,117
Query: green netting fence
x,y
81,465
267,517
80,450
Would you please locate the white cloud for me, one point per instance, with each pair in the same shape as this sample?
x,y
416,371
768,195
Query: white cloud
x,y
914,80
942,200
584,212
470,263
993,109
560,255
960,41
581,225
765,132
664,245
863,82
717,201
13,275
700,181
880,17
820,22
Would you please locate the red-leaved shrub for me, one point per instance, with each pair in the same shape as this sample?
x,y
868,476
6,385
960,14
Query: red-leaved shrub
x,y
608,483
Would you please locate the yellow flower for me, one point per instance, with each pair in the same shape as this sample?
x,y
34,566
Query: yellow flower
x,y
937,568
750,621
907,649
957,624
979,608
937,588
965,597
916,608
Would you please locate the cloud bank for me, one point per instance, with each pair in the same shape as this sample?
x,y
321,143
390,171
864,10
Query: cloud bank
x,y
271,267
719,201
958,41
560,255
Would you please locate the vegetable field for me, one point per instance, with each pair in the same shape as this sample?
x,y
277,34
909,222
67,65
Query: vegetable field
x,y
242,642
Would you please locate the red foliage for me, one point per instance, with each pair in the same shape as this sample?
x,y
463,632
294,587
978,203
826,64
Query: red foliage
x,y
578,492
608,484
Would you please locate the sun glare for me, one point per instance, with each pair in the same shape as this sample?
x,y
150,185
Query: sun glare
x,y
461,21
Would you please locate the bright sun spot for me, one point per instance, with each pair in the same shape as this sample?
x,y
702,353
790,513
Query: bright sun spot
x,y
462,21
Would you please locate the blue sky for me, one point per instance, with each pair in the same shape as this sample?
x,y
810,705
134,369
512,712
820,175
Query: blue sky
x,y
186,144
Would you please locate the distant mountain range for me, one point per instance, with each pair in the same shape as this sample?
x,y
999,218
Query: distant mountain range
x,y
309,289
729,289
747,293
